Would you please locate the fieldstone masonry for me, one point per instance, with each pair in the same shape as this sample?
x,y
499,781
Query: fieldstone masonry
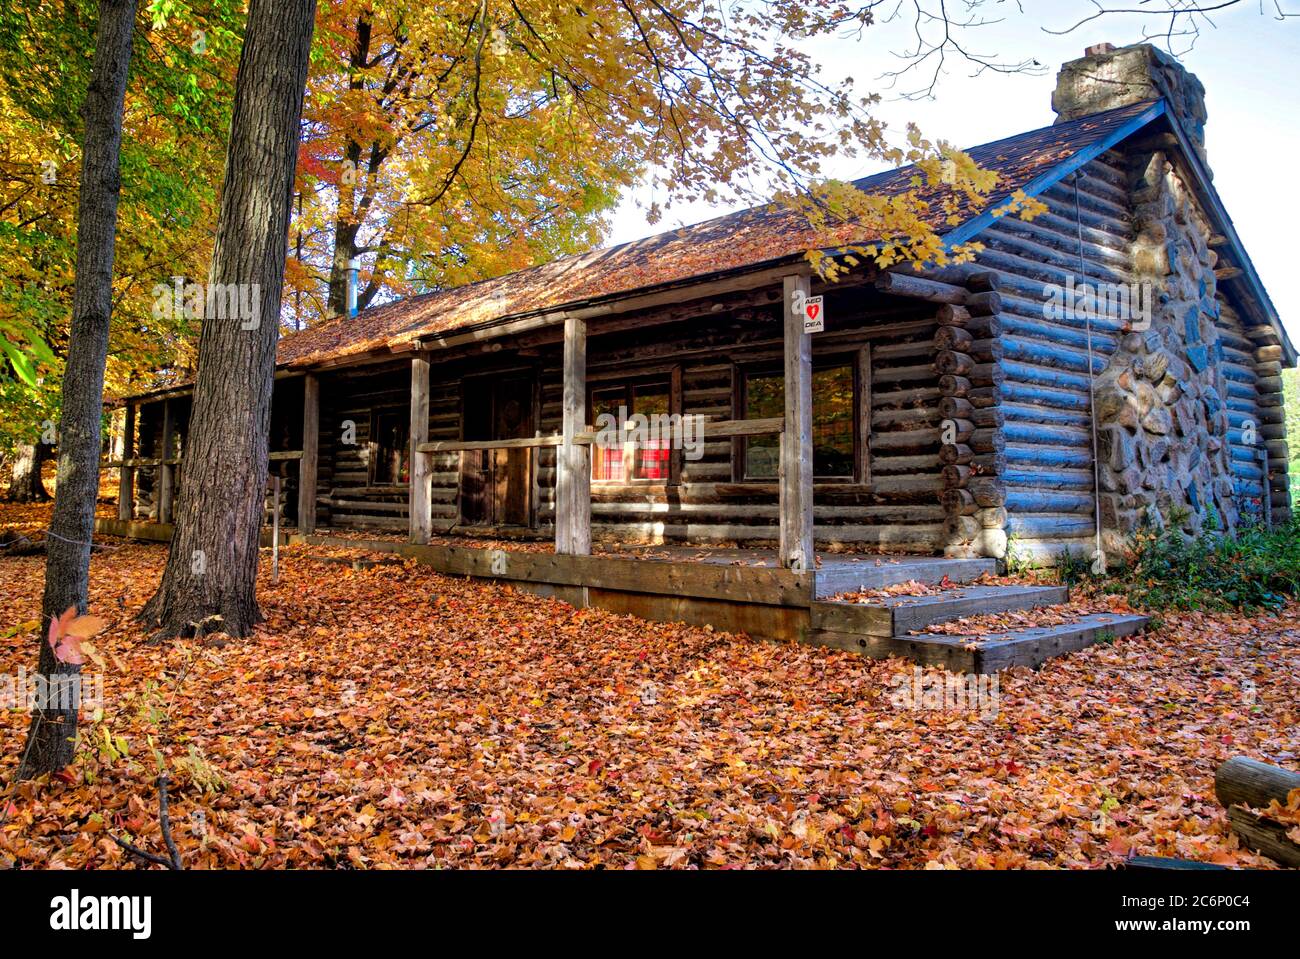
x,y
1162,420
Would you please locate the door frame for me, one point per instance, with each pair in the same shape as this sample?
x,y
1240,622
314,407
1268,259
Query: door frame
x,y
489,381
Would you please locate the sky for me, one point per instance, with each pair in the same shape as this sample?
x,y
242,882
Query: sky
x,y
1248,62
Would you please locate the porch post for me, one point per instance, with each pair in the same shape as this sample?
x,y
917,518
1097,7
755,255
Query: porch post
x,y
166,472
126,474
308,465
796,473
418,506
573,468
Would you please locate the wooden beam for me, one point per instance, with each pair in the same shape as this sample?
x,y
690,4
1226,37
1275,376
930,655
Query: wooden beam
x,y
125,474
167,472
573,475
517,443
715,429
668,294
308,466
796,473
419,494
920,288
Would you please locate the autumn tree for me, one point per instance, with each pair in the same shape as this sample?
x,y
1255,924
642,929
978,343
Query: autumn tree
x,y
212,565
711,97
50,738
175,116
437,154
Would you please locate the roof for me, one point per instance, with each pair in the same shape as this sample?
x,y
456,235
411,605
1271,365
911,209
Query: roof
x,y
737,241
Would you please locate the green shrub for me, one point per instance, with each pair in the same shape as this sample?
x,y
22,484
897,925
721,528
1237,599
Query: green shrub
x,y
1254,569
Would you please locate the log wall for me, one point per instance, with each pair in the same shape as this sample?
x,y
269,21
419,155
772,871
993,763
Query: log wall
x,y
897,508
1047,481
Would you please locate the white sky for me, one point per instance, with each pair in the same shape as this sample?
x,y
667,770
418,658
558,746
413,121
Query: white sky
x,y
1249,64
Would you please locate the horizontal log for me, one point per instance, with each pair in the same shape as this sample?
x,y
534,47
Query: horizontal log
x,y
919,288
951,314
984,304
989,492
952,385
952,338
1050,525
1249,782
950,363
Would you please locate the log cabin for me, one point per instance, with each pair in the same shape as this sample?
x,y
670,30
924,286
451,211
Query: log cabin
x,y
958,412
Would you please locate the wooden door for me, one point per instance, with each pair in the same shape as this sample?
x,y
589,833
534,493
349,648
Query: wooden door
x,y
496,485
511,475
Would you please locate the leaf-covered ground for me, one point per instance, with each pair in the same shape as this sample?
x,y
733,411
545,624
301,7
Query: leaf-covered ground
x,y
390,717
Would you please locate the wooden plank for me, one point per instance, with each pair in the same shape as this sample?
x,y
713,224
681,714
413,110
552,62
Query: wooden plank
x,y
418,495
167,477
284,455
756,427
671,294
796,469
125,473
862,409
516,443
947,656
768,585
1033,647
898,615
846,576
309,465
573,474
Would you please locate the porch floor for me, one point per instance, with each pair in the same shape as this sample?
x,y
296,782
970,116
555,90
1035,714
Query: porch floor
x,y
836,570
743,590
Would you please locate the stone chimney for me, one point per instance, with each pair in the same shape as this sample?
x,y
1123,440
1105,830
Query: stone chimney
x,y
1106,77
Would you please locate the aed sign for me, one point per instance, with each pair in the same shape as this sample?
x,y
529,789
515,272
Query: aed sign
x,y
814,315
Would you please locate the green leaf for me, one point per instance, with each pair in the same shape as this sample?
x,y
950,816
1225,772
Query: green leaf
x,y
19,361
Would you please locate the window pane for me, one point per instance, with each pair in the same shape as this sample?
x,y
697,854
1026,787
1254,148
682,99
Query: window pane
x,y
832,418
651,401
392,432
764,398
607,461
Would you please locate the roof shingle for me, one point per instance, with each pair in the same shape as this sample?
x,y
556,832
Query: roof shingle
x,y
731,242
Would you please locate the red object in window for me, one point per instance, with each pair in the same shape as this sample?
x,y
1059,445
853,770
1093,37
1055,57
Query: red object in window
x,y
609,463
654,460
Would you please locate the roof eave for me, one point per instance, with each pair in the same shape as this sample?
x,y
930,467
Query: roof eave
x,y
1080,158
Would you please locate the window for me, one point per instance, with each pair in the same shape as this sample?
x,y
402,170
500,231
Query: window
x,y
390,448
650,458
833,419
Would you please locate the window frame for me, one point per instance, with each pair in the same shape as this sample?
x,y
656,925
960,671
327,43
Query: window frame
x,y
376,414
859,363
670,381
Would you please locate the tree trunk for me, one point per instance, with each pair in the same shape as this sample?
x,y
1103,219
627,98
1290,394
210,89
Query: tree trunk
x,y
25,485
52,733
211,569
347,225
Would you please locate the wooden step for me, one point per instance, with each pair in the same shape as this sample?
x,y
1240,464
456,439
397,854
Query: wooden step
x,y
897,615
991,652
837,575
